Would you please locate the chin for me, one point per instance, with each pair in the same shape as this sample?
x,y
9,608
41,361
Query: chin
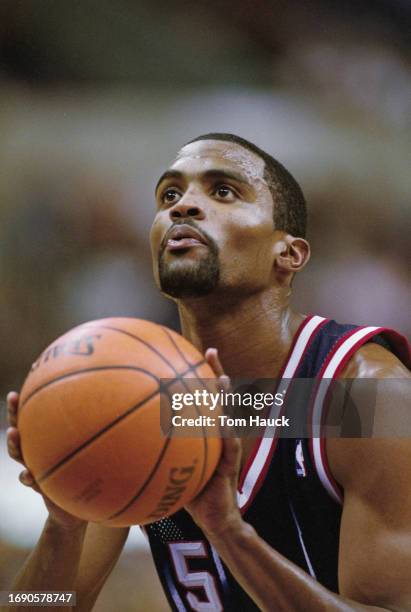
x,y
187,282
188,275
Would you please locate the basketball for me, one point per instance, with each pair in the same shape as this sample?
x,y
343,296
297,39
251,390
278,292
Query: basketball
x,y
89,421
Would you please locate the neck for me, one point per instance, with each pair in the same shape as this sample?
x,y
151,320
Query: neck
x,y
253,334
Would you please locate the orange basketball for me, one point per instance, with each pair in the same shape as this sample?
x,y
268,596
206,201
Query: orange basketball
x,y
89,421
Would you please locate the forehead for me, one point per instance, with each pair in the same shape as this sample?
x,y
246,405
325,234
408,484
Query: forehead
x,y
204,155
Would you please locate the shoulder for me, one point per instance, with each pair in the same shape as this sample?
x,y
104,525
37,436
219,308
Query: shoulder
x,y
374,361
378,376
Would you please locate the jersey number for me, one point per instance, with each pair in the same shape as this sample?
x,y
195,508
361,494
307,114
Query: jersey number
x,y
180,552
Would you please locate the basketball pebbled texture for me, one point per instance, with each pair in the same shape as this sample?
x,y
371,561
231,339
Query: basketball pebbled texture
x,y
89,421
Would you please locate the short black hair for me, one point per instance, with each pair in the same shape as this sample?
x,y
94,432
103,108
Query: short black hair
x,y
290,210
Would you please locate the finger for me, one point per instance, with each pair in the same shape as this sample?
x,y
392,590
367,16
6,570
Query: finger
x,y
13,444
27,479
12,405
214,362
224,383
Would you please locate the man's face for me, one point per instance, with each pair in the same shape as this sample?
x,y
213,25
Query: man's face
x,y
213,231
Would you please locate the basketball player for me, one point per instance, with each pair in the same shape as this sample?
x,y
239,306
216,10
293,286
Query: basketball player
x,y
284,524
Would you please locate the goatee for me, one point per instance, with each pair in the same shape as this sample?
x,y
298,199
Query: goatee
x,y
184,279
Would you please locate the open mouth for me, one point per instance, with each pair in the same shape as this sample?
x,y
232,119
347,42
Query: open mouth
x,y
183,237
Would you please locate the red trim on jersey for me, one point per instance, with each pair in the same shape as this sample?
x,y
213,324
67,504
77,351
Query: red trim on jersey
x,y
248,464
402,346
310,339
335,485
253,453
258,483
338,490
320,374
310,447
261,477
402,350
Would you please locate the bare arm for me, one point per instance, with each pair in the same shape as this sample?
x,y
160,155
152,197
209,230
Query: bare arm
x,y
54,561
71,554
375,538
76,559
271,580
101,550
375,473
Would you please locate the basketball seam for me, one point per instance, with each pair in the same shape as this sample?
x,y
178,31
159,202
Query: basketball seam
x,y
82,371
147,344
203,469
179,376
192,367
145,483
174,343
109,425
162,453
99,433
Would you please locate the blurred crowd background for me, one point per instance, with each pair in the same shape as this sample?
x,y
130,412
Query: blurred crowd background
x,y
96,97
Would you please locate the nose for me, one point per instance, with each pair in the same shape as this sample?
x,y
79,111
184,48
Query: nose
x,y
186,209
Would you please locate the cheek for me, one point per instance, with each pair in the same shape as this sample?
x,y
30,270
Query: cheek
x,y
156,233
248,231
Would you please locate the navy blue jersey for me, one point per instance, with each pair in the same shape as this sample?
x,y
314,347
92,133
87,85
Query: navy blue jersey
x,y
286,490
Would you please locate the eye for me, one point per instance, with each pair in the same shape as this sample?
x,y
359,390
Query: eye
x,y
224,192
170,196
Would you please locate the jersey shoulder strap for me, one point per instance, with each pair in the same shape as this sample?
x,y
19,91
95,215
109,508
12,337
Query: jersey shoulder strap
x,y
329,352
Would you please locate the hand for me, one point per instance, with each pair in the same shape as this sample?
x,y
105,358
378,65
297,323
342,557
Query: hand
x,y
57,514
215,509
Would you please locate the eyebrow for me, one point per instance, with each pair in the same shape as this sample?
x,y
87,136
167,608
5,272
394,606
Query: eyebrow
x,y
213,174
168,174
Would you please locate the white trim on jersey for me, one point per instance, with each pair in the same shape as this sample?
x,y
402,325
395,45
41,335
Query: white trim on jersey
x,y
266,443
349,345
301,345
300,536
220,568
345,347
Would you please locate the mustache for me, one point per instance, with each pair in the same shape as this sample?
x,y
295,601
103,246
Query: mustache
x,y
191,223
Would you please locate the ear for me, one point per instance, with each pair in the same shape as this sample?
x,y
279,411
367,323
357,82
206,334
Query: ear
x,y
291,255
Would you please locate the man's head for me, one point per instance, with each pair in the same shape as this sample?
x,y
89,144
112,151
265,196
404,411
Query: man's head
x,y
230,218
289,207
